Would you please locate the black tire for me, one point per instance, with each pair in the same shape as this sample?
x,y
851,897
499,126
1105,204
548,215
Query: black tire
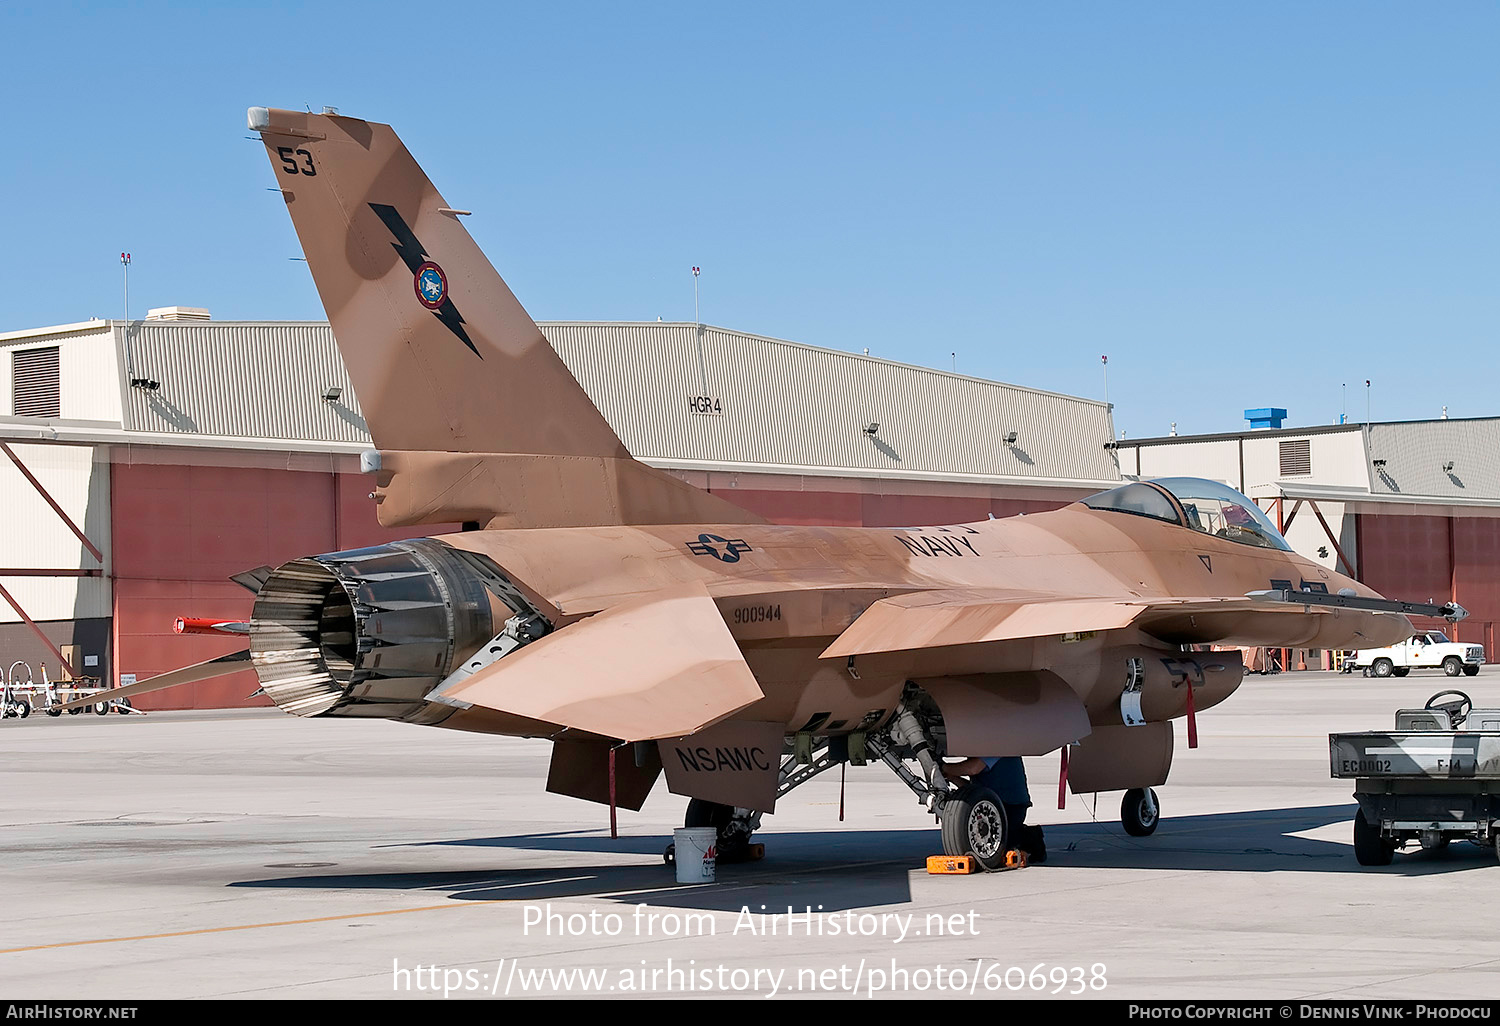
x,y
1453,666
728,847
1381,668
101,708
75,710
1471,671
1369,847
1401,671
25,710
974,823
54,712
1140,812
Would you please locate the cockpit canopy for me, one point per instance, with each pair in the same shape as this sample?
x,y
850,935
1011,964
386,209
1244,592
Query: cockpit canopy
x,y
1206,506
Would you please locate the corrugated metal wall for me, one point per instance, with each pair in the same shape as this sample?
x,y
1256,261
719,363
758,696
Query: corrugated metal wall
x,y
242,380
774,403
1416,455
787,404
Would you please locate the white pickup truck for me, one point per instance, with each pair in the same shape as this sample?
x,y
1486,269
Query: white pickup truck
x,y
1430,650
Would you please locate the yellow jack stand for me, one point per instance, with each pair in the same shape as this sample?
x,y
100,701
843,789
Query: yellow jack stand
x,y
962,865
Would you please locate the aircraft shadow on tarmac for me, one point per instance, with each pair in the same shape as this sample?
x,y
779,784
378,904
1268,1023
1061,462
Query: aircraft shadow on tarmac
x,y
865,868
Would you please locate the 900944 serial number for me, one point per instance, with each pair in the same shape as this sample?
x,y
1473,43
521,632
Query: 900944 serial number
x,y
757,614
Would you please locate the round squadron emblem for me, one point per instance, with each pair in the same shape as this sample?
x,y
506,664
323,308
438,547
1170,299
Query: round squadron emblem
x,y
432,285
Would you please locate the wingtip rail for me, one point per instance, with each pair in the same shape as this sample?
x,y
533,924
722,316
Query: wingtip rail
x,y
1450,611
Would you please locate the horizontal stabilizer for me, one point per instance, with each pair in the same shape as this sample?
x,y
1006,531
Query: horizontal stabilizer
x,y
660,667
232,663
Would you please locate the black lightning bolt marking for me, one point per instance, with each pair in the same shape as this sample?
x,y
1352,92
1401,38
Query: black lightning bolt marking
x,y
413,255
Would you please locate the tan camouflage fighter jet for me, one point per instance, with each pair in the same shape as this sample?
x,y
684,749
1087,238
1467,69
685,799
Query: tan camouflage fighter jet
x,y
618,611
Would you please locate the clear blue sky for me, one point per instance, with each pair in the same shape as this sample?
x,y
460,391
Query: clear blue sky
x,y
1243,205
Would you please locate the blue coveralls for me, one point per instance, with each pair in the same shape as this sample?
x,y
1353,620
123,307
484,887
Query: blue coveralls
x,y
1006,776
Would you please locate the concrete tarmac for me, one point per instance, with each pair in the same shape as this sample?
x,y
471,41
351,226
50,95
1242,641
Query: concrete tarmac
x,y
254,854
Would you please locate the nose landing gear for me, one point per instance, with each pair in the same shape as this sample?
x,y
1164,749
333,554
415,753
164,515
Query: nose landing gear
x,y
1140,812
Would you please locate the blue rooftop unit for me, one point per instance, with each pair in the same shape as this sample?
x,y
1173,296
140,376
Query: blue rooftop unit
x,y
1267,418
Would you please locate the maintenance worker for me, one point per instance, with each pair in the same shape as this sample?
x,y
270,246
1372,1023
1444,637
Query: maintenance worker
x,y
1006,776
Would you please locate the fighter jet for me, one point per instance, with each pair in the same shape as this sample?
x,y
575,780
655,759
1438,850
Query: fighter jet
x,y
647,627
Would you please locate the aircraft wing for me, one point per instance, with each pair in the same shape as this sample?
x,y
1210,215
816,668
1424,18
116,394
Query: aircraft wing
x,y
937,619
234,662
664,666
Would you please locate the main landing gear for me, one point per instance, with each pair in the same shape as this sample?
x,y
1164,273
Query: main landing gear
x,y
971,818
973,822
734,826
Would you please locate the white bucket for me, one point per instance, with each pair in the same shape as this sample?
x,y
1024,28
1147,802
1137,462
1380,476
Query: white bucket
x,y
694,853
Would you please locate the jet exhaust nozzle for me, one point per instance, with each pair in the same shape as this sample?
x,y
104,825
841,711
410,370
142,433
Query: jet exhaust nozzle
x,y
370,632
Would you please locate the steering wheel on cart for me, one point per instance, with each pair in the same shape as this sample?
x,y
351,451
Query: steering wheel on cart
x,y
1457,709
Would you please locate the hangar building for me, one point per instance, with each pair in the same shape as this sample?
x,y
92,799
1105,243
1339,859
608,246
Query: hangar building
x,y
145,462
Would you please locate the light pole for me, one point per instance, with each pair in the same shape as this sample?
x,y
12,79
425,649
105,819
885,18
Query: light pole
x,y
129,363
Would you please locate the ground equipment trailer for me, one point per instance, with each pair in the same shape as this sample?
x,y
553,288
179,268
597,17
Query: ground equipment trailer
x,y
20,698
1436,777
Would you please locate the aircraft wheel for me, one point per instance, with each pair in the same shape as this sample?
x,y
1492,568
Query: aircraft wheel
x,y
731,846
1471,671
1370,849
1140,812
1402,671
101,708
974,823
1382,667
1453,666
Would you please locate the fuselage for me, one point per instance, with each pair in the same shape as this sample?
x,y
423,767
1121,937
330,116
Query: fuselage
x,y
786,592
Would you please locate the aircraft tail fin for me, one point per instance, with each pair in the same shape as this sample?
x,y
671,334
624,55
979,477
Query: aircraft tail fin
x,y
443,357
